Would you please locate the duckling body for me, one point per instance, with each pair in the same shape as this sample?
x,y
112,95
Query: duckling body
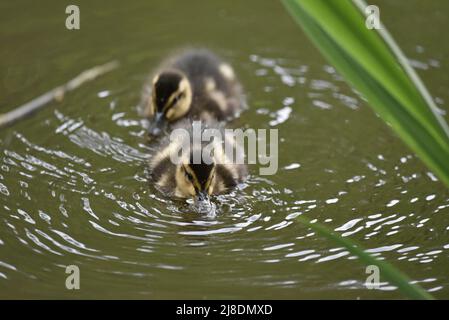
x,y
196,84
190,177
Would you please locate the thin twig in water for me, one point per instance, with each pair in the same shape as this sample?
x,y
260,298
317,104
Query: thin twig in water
x,y
57,94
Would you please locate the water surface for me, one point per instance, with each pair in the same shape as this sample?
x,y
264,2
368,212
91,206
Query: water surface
x,y
73,179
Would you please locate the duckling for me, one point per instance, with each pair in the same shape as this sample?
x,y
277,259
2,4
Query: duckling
x,y
196,177
196,84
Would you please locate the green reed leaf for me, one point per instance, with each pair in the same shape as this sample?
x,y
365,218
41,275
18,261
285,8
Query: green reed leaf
x,y
372,63
388,271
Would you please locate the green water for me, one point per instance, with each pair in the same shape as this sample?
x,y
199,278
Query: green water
x,y
73,185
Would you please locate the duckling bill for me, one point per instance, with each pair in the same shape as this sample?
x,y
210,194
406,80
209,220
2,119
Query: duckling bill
x,y
192,177
196,84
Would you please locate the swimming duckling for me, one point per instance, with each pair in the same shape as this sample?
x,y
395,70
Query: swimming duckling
x,y
195,84
193,173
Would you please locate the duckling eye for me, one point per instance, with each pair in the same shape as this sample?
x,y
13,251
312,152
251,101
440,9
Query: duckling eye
x,y
189,176
178,97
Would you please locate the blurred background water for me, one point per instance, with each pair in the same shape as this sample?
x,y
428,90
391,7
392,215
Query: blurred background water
x,y
73,179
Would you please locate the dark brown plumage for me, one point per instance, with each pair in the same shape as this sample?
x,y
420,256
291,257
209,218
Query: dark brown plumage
x,y
195,84
189,178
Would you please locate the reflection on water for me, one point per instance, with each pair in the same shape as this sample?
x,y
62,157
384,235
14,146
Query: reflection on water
x,y
74,190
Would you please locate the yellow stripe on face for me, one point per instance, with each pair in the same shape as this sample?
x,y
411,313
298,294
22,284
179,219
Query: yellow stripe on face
x,y
170,100
209,179
182,86
195,181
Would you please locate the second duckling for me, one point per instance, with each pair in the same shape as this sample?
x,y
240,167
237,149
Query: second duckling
x,y
196,84
192,177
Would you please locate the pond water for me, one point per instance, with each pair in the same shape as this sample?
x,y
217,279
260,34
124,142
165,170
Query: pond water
x,y
73,179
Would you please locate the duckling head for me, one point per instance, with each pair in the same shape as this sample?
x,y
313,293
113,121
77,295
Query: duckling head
x,y
171,99
195,179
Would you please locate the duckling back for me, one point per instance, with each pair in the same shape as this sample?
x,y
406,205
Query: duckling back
x,y
216,91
